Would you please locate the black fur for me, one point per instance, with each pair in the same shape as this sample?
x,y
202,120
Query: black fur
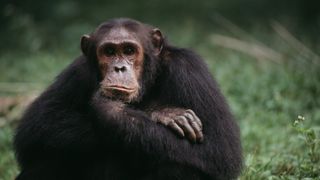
x,y
64,136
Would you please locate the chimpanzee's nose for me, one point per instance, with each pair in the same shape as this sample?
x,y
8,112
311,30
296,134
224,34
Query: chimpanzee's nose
x,y
120,68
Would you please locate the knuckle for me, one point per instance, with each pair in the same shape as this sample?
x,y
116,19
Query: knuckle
x,y
189,117
170,122
181,119
189,111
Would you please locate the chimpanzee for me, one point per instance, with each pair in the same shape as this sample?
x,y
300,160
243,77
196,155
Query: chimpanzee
x,y
130,107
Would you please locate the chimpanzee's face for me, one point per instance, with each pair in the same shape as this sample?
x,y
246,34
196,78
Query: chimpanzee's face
x,y
119,50
120,59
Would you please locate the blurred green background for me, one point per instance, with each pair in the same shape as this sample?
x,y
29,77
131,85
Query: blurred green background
x,y
265,54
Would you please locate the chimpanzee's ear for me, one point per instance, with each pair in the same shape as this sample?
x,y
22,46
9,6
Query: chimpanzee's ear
x,y
157,41
85,44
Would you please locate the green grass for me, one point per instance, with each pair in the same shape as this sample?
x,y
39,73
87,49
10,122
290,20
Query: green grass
x,y
266,98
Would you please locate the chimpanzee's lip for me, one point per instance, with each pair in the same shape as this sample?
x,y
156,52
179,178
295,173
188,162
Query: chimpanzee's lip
x,y
121,88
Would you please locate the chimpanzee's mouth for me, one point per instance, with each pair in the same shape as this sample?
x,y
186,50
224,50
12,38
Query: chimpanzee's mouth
x,y
122,89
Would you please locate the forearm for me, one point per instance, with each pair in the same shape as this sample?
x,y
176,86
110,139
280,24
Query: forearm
x,y
137,133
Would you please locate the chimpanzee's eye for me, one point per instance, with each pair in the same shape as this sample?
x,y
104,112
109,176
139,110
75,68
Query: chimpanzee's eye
x,y
109,51
129,50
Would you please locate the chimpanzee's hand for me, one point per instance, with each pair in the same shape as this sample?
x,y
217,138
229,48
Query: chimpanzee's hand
x,y
183,122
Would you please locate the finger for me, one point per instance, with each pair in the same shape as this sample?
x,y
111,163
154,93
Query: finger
x,y
195,126
199,136
196,118
176,128
184,124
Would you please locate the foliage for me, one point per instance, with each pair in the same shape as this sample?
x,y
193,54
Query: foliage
x,y
268,74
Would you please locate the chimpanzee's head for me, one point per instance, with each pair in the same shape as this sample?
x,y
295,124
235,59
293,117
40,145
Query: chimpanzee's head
x,y
125,52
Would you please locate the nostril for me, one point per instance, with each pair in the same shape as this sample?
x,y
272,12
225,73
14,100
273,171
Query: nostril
x,y
123,69
120,69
